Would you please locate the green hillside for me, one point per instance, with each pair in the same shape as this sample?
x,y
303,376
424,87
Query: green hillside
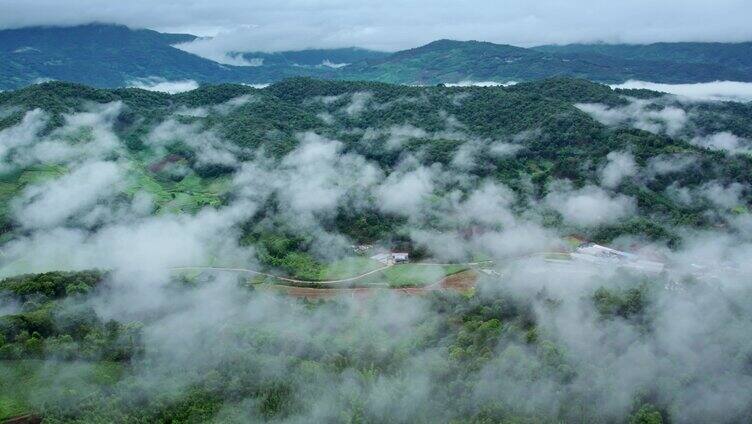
x,y
722,55
115,56
540,121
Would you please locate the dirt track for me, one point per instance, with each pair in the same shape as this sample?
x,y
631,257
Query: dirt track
x,y
285,279
462,282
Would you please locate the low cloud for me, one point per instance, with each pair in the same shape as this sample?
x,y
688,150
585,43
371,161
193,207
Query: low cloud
x,y
642,114
723,196
358,103
51,203
667,164
84,136
718,195
404,192
706,91
163,85
619,166
396,135
590,205
723,141
211,148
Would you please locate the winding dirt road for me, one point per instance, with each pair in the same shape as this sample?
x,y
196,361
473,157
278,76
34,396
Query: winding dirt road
x,y
287,279
324,282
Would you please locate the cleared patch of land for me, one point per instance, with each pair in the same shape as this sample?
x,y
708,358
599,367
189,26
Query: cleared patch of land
x,y
419,274
349,267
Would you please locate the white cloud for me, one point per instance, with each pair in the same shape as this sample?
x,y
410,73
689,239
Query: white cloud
x,y
490,204
403,193
717,194
590,205
396,135
723,141
153,243
84,136
210,148
313,178
51,203
163,85
721,196
716,90
666,164
358,103
642,114
329,64
620,165
500,149
22,134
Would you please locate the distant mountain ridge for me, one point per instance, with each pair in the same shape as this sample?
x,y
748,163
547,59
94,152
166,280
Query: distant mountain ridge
x,y
737,55
105,55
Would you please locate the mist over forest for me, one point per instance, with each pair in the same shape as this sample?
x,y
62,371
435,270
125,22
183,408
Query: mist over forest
x,y
573,253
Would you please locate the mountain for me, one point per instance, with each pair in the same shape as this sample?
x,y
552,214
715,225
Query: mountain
x,y
115,56
736,56
673,62
447,61
100,55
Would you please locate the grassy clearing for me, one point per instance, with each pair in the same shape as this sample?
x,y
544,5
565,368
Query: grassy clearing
x,y
407,275
349,267
23,383
12,184
303,266
187,195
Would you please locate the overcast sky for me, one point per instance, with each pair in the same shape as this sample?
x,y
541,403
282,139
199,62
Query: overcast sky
x,y
249,25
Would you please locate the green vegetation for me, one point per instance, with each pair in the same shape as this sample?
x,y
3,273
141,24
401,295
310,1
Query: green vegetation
x,y
349,267
44,327
555,141
24,382
189,194
472,336
418,274
129,346
114,56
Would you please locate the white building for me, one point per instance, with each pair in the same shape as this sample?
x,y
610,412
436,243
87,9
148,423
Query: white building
x,y
391,258
400,257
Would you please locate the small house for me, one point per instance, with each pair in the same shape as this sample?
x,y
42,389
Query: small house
x,y
400,257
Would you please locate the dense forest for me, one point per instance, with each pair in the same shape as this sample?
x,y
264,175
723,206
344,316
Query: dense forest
x,y
141,234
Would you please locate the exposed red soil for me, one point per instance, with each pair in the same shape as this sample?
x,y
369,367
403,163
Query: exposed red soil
x,y
461,281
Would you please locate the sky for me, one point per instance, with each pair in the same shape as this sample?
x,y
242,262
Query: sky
x,y
254,25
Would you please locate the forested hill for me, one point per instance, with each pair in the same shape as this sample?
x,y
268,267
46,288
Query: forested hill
x,y
529,137
116,56
453,61
732,56
174,202
99,55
